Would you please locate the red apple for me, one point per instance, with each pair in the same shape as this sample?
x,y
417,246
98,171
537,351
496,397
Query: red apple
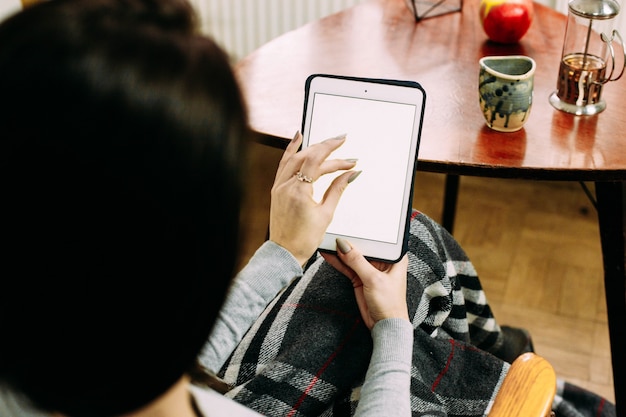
x,y
506,21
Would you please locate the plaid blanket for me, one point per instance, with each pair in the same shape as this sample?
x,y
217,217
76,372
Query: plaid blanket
x,y
308,352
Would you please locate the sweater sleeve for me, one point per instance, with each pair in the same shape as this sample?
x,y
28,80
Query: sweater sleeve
x,y
269,270
387,387
9,7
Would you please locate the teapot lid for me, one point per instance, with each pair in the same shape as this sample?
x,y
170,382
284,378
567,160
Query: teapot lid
x,y
594,9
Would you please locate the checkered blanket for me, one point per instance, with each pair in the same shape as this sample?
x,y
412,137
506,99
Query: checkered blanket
x,y
308,352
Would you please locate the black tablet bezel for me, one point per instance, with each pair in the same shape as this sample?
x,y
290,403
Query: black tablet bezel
x,y
373,88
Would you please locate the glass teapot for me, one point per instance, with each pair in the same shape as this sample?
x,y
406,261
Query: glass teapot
x,y
588,60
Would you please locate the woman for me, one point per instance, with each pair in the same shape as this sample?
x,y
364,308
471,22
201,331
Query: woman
x,y
123,133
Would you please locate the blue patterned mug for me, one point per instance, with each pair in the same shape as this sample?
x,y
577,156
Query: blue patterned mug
x,y
505,90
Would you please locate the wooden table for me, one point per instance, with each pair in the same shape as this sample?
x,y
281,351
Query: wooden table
x,y
379,38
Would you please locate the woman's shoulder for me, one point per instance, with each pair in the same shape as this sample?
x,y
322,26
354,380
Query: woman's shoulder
x,y
9,7
208,401
14,404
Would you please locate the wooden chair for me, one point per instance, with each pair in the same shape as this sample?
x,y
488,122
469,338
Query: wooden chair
x,y
528,389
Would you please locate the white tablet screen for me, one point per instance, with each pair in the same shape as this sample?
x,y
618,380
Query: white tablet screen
x,y
379,136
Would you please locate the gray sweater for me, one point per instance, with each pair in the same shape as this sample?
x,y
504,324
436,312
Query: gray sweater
x,y
386,390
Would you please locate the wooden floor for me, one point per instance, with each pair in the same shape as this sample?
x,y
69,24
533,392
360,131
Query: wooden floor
x,y
535,246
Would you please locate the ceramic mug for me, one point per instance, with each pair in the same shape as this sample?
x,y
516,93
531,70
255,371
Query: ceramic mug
x,y
505,90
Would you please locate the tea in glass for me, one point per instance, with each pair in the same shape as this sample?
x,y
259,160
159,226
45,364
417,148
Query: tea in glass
x,y
580,79
588,50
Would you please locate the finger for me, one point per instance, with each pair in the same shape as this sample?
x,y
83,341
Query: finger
x,y
333,165
290,150
336,263
381,266
402,263
335,190
356,284
315,156
309,160
327,167
355,260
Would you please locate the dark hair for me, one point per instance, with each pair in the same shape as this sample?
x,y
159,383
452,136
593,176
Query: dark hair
x,y
122,133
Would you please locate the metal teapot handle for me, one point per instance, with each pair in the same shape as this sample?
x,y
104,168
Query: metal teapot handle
x,y
609,42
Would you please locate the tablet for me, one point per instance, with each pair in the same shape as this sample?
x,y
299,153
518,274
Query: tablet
x,y
383,121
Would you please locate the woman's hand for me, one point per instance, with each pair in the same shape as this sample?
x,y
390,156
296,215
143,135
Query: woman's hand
x,y
297,221
379,287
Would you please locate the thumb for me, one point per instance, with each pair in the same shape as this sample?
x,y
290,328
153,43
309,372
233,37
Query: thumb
x,y
353,258
336,189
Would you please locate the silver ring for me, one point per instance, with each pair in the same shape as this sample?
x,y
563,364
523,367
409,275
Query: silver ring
x,y
301,177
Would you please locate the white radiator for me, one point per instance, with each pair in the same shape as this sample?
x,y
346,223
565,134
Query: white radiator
x,y
241,26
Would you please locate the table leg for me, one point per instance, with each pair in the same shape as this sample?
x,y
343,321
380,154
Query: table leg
x,y
451,193
611,199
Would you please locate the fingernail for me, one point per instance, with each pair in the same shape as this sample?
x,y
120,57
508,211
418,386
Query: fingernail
x,y
354,175
353,160
343,245
296,135
338,137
